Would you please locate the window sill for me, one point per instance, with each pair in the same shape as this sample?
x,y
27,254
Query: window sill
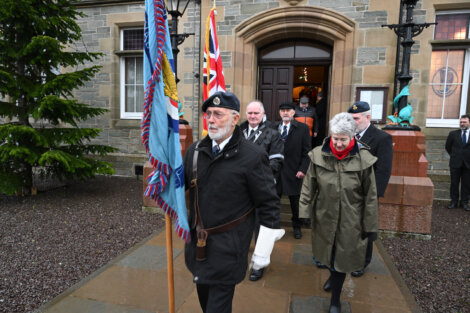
x,y
448,123
458,43
128,123
128,52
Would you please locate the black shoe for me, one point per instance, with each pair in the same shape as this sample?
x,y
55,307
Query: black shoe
x,y
305,222
327,285
297,233
335,308
466,207
256,274
358,273
321,265
452,205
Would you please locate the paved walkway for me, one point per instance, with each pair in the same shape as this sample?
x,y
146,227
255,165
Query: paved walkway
x,y
136,282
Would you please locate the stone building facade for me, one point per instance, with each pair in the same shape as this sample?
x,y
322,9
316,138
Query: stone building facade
x,y
348,44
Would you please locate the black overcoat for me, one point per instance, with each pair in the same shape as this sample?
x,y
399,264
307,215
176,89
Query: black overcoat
x,y
270,141
229,185
459,154
380,145
296,148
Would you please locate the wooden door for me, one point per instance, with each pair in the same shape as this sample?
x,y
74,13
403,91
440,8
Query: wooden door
x,y
275,87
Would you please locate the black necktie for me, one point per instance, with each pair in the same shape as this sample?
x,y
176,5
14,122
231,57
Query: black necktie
x,y
284,133
358,136
215,150
464,137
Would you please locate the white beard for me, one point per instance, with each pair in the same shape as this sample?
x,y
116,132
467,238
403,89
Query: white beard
x,y
221,132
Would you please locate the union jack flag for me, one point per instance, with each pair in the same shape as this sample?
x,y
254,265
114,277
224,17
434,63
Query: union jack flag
x,y
212,64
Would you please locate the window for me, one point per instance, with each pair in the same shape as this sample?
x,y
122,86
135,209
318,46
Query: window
x,y
131,73
449,72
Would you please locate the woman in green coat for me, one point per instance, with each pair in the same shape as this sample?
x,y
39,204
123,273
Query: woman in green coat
x,y
339,195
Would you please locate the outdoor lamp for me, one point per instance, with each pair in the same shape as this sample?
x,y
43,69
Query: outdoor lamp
x,y
174,7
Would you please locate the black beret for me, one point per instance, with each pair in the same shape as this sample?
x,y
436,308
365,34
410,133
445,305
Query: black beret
x,y
287,105
359,107
222,99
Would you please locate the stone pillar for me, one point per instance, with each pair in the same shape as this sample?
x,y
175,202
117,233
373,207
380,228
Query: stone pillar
x,y
407,204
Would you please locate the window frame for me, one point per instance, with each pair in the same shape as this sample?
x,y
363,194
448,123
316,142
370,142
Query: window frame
x,y
123,56
450,45
383,118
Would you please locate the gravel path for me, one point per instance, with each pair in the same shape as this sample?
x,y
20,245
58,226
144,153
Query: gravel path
x,y
437,271
53,240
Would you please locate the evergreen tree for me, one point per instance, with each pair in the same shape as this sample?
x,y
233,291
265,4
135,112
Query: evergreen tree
x,y
39,70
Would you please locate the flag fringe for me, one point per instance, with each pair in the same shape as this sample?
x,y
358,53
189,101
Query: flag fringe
x,y
162,171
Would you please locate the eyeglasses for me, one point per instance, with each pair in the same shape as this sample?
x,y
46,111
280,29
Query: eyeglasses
x,y
218,115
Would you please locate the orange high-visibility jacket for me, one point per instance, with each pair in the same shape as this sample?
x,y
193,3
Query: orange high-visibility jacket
x,y
307,116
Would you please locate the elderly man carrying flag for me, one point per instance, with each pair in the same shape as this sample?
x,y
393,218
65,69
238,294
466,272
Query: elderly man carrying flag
x,y
229,177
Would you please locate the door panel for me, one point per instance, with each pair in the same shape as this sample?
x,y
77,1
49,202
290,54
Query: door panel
x,y
275,87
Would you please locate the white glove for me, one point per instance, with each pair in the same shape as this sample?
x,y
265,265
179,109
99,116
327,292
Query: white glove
x,y
264,246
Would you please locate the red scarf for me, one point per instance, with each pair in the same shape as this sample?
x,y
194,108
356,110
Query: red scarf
x,y
342,154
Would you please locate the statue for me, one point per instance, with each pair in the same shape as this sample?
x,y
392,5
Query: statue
x,y
402,117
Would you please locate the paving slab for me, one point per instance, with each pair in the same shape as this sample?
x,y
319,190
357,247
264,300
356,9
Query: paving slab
x,y
314,304
136,282
148,257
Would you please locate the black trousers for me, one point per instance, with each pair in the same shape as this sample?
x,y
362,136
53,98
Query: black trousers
x,y
257,225
459,176
294,207
215,298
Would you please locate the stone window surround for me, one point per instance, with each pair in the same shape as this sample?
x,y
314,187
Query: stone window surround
x,y
122,56
453,44
117,22
306,22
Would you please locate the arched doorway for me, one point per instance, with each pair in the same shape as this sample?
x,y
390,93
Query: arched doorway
x,y
314,25
289,69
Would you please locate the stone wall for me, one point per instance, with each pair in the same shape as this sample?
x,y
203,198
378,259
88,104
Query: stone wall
x,y
101,33
438,167
373,62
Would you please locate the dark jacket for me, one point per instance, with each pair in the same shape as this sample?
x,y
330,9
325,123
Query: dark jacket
x,y
270,141
229,185
380,145
296,148
340,197
459,154
308,117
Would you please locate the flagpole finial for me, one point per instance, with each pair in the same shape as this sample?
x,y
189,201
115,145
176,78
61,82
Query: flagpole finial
x,y
213,6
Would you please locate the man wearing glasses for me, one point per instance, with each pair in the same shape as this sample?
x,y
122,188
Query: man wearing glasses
x,y
229,177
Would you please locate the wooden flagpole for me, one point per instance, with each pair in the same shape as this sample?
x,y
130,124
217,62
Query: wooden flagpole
x,y
169,263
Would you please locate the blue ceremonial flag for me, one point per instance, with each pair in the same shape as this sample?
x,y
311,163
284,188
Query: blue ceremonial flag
x,y
160,121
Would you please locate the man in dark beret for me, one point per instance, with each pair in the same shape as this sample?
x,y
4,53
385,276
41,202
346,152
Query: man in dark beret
x,y
380,144
228,176
297,144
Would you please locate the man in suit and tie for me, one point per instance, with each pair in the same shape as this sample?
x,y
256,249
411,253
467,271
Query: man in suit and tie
x,y
297,144
459,150
269,140
380,145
